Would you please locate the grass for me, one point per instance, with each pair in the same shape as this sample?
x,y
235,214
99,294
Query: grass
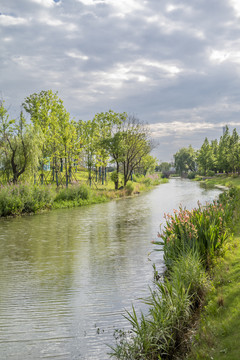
x,y
224,180
218,334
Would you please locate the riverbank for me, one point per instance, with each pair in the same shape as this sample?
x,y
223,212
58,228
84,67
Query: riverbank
x,y
225,181
193,243
217,334
23,199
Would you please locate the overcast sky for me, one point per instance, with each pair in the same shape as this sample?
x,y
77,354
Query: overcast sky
x,y
173,64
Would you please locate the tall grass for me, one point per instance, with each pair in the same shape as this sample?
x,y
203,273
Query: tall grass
x,y
17,199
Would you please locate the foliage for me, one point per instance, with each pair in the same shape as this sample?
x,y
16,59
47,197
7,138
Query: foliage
x,y
185,160
217,336
129,188
157,334
17,199
18,146
203,229
189,239
75,192
52,123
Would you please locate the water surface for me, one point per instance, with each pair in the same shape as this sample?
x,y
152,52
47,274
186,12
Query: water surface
x,y
66,276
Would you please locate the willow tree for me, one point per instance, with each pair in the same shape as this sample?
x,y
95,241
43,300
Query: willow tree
x,y
19,150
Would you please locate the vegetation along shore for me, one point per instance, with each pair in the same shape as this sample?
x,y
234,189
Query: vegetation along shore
x,y
196,245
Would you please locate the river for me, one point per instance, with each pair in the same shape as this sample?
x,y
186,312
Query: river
x,y
67,276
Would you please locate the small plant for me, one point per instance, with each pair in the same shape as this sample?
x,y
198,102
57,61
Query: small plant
x,y
129,188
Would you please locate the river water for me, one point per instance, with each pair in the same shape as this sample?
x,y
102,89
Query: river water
x,y
67,276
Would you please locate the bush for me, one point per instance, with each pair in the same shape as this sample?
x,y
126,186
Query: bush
x,y
129,187
210,173
191,175
73,193
17,199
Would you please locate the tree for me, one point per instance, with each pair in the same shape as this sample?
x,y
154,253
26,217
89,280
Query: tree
x,y
18,146
205,157
234,154
136,145
89,137
52,122
224,152
185,160
164,167
113,142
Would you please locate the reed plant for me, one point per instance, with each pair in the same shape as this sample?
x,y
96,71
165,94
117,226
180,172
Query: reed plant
x,y
157,334
203,230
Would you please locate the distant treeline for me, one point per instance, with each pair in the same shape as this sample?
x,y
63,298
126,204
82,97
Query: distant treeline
x,y
214,156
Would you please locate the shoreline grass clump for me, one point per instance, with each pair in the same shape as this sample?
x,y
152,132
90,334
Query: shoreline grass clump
x,y
191,240
25,198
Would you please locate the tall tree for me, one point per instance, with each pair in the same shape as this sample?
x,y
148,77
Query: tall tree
x,y
19,146
224,152
205,157
113,141
52,121
136,145
185,160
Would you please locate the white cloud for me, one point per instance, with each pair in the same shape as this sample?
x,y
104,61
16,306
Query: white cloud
x,y
45,3
7,20
236,6
181,128
77,55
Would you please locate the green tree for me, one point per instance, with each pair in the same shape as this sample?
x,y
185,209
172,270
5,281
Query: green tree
x,y
136,145
52,122
185,160
205,157
19,149
224,152
113,141
234,153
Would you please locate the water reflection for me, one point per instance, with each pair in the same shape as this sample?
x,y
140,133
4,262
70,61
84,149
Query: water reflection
x,y
67,276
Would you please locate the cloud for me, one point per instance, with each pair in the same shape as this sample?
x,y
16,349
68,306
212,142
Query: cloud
x,y
178,128
7,20
174,64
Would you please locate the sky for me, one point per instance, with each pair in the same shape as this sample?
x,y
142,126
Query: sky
x,y
172,64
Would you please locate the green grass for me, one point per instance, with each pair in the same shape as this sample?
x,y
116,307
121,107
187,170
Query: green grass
x,y
218,334
224,180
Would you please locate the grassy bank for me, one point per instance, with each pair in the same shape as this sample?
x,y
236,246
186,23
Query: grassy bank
x,y
224,180
25,198
192,242
217,333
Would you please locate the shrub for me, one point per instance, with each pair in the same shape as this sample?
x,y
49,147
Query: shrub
x,y
129,188
210,173
191,175
147,181
24,198
73,193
